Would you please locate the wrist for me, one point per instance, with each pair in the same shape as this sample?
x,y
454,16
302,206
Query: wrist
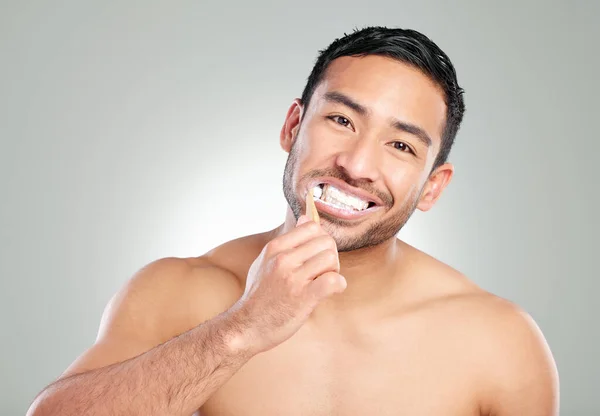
x,y
237,336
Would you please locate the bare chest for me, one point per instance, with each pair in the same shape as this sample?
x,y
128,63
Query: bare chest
x,y
412,374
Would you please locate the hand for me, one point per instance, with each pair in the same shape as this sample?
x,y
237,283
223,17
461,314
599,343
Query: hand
x,y
292,274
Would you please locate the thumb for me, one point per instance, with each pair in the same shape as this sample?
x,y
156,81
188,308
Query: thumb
x,y
327,284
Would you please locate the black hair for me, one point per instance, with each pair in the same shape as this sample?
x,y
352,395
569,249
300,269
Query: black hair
x,y
410,47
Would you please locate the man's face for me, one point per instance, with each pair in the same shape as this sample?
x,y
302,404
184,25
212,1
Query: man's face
x,y
367,143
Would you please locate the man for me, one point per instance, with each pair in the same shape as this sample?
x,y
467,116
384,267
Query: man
x,y
329,317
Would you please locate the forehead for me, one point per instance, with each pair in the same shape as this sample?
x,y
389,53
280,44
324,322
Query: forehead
x,y
389,88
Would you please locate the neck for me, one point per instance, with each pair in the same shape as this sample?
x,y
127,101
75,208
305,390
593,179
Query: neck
x,y
371,274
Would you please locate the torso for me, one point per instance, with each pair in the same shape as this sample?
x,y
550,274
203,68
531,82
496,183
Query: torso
x,y
419,360
412,366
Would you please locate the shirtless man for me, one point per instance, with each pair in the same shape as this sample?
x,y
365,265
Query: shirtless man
x,y
332,318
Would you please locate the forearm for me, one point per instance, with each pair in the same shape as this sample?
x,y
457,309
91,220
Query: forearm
x,y
174,378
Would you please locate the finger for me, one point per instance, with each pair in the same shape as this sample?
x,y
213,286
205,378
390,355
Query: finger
x,y
292,239
322,262
305,251
293,259
326,285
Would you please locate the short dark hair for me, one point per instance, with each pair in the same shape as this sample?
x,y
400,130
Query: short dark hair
x,y
410,47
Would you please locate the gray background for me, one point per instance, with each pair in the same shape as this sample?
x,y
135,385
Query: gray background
x,y
136,130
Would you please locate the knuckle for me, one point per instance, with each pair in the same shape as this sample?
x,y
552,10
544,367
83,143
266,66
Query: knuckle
x,y
332,243
331,257
272,247
295,291
335,261
331,279
287,276
327,243
281,261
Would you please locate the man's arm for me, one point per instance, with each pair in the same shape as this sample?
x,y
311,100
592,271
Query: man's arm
x,y
524,375
136,366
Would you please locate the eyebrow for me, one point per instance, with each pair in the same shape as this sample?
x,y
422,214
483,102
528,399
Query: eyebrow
x,y
339,98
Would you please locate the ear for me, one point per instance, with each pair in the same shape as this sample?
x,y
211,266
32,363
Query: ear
x,y
289,131
436,183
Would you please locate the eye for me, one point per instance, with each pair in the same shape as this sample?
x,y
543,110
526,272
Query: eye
x,y
342,121
402,147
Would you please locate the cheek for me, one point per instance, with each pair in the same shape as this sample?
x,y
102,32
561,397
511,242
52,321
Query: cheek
x,y
318,144
404,184
325,134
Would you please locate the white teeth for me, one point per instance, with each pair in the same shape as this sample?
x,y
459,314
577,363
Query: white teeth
x,y
317,192
337,197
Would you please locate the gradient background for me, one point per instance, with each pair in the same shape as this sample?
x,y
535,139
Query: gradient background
x,y
135,130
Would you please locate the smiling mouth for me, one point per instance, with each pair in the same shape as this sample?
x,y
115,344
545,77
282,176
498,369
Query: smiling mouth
x,y
330,195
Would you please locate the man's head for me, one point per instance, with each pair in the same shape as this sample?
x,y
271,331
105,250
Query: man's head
x,y
377,120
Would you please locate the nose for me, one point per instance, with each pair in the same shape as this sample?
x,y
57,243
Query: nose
x,y
361,160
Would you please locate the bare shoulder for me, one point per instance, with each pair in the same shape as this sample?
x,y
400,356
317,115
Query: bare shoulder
x,y
516,371
172,295
520,375
161,300
177,294
237,255
503,331
501,320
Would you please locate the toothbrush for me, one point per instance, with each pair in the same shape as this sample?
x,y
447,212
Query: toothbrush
x,y
311,209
